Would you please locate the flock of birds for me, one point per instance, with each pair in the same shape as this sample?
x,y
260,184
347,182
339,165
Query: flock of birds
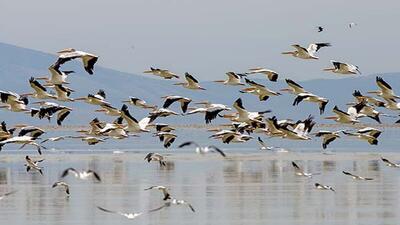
x,y
243,123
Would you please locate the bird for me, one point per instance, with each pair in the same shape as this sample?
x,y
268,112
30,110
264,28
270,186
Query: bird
x,y
367,99
392,104
300,130
58,138
88,59
320,29
63,185
24,140
323,187
262,144
385,91
343,117
162,127
56,76
322,102
7,194
96,99
308,53
175,202
343,68
139,103
228,136
156,157
83,175
90,140
109,110
352,24
327,137
210,110
162,112
300,172
13,101
203,150
270,74
6,133
389,163
40,92
33,164
170,99
356,177
191,83
371,139
63,93
33,131
233,79
246,116
166,74
294,88
131,215
163,189
133,125
260,90
167,137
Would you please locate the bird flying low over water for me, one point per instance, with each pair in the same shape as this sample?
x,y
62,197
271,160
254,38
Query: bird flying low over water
x,y
88,59
130,215
368,134
390,163
134,125
260,90
167,137
63,185
294,88
262,144
23,140
210,110
166,74
356,177
175,202
163,189
327,137
343,68
2,196
156,157
83,175
40,92
203,150
56,76
90,140
191,83
367,99
33,164
233,79
308,53
170,99
162,112
343,117
300,172
270,74
324,187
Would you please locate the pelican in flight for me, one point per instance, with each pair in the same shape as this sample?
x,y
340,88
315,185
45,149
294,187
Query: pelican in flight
x,y
109,110
13,101
33,164
162,127
308,53
167,137
166,74
322,102
270,74
327,137
300,172
175,202
140,103
361,98
191,83
163,189
356,177
132,124
130,215
83,175
234,79
32,131
49,109
263,145
156,157
7,194
343,68
389,163
163,113
210,110
246,116
260,90
385,91
90,140
300,130
6,133
371,135
96,99
392,104
63,185
343,117
294,88
203,150
23,140
88,59
40,90
56,76
229,136
63,93
324,187
175,98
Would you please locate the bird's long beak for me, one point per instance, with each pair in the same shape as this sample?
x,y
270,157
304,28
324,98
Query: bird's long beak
x,y
201,103
100,110
80,99
36,103
330,118
126,101
203,89
179,83
286,89
20,125
373,92
26,94
329,69
287,53
219,81
41,78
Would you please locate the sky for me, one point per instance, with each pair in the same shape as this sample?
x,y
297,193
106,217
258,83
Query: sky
x,y
210,37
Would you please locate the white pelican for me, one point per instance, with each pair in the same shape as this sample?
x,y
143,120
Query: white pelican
x,y
273,128
308,53
322,102
327,137
58,138
356,177
33,164
140,103
14,102
34,132
175,202
392,104
68,54
203,150
360,98
95,127
83,175
385,91
228,136
210,110
97,99
263,145
109,110
300,131
56,76
90,140
372,140
343,117
343,68
63,93
364,109
175,98
131,215
234,79
163,189
270,74
389,163
191,83
300,172
6,133
167,137
163,113
323,187
294,88
40,91
370,131
7,194
260,90
63,185
166,74
162,127
156,157
132,124
244,115
24,140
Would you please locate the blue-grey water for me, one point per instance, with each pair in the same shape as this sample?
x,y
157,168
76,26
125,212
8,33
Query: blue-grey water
x,y
247,187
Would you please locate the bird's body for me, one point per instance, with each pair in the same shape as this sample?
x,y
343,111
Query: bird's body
x,y
83,175
233,79
166,74
167,137
33,164
322,102
88,59
308,53
163,189
343,117
300,172
191,83
170,99
327,137
124,214
140,103
270,74
260,90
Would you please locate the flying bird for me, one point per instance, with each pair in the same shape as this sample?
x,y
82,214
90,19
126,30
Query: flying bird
x,y
131,215
270,74
233,79
83,175
260,90
203,150
140,103
156,157
62,184
33,164
389,163
7,194
191,83
167,137
175,202
88,59
324,187
163,189
166,74
308,53
343,68
300,172
322,102
356,177
170,99
327,137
